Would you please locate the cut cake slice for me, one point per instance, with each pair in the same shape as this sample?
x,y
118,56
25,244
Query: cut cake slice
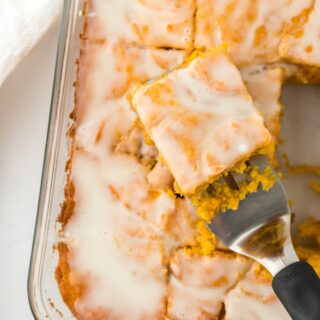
x,y
202,120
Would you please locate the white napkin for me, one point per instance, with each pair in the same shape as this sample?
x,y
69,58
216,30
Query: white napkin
x,y
22,24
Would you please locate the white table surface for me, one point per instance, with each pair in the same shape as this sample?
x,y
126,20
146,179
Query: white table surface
x,y
24,110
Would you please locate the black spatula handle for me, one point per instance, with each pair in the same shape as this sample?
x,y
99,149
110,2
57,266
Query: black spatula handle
x,y
298,288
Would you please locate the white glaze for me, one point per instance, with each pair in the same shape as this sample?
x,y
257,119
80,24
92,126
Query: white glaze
x,y
253,299
198,284
163,23
305,48
212,124
238,23
120,236
109,71
99,238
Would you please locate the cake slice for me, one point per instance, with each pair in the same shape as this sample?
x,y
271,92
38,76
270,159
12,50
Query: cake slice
x,y
203,122
252,29
166,23
253,298
301,41
109,256
198,283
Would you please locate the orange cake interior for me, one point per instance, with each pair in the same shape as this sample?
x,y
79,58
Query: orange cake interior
x,y
133,240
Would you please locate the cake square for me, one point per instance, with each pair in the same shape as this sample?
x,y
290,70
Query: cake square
x,y
166,23
301,40
103,234
195,291
201,118
253,298
252,29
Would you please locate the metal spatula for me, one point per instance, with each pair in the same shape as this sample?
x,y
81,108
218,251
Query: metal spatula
x,y
260,229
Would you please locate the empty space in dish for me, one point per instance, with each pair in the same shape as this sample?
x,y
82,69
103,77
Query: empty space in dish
x,y
300,141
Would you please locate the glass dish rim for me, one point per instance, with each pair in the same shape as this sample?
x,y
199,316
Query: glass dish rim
x,y
50,154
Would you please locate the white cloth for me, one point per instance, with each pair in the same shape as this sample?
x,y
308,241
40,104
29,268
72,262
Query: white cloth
x,y
22,24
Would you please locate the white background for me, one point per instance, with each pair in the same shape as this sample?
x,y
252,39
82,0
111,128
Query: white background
x,y
24,110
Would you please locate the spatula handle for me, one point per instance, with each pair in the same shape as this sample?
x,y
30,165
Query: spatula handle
x,y
298,288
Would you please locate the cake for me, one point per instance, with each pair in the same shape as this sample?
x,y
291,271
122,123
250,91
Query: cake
x,y
253,29
203,122
133,241
201,119
167,23
194,291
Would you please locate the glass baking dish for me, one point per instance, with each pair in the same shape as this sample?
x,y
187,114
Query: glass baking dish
x,y
301,127
44,297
